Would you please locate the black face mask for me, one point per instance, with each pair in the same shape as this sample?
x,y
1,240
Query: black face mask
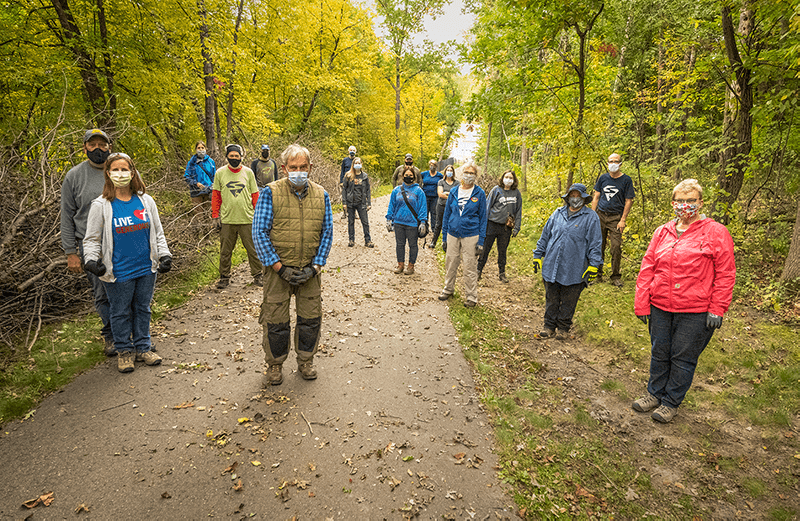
x,y
352,154
409,163
265,154
408,179
98,156
234,162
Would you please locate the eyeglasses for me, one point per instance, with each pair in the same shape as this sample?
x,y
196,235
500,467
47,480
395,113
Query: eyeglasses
x,y
684,201
615,160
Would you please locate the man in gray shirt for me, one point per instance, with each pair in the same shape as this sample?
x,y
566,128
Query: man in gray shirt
x,y
82,184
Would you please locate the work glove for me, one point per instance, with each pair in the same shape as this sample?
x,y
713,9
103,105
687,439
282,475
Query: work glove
x,y
478,250
302,276
514,233
713,321
217,222
287,273
537,265
164,264
643,318
389,226
444,246
590,274
97,268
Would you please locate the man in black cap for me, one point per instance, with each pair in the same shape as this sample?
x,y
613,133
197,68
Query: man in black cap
x,y
264,168
83,184
397,178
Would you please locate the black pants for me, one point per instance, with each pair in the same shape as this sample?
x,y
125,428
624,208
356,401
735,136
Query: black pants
x,y
439,221
403,234
502,233
560,303
433,202
351,222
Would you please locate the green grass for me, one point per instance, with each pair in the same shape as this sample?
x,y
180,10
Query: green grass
x,y
66,350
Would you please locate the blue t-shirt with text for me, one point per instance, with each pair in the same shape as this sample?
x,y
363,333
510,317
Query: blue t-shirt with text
x,y
131,223
613,192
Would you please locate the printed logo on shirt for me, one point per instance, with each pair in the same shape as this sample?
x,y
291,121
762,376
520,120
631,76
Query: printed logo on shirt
x,y
474,199
140,214
610,192
236,187
127,224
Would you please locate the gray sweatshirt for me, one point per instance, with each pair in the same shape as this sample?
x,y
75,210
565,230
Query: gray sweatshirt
x,y
82,184
501,203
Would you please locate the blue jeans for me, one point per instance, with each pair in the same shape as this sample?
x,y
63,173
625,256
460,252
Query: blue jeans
x,y
403,233
130,312
677,340
100,298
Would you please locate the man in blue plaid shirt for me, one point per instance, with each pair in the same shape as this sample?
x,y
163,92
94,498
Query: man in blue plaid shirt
x,y
293,234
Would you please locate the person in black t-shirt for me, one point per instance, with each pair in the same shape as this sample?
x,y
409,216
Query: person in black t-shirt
x,y
613,198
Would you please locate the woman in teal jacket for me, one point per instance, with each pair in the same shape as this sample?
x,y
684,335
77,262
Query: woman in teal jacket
x,y
463,232
405,221
199,175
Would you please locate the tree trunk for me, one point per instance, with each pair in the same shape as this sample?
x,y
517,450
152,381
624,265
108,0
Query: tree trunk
x,y
658,146
488,143
208,83
523,159
229,105
397,86
791,268
111,120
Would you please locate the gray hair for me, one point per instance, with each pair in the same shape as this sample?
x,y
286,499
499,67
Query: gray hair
x,y
471,166
688,185
293,151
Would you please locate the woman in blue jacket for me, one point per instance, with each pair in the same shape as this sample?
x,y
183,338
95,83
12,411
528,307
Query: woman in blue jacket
x,y
463,232
199,175
568,253
405,218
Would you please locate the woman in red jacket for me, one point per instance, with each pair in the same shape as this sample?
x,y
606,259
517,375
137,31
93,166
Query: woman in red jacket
x,y
684,287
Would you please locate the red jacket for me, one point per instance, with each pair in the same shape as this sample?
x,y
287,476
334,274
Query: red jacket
x,y
691,274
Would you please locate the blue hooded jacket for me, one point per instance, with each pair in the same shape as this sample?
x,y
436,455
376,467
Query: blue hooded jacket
x,y
398,209
200,171
570,242
470,222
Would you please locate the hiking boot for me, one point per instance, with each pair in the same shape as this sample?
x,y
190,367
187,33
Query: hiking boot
x,y
350,244
149,358
369,244
545,334
432,245
223,282
562,335
108,347
410,269
344,215
616,282
470,304
275,375
480,275
400,267
125,362
503,278
258,280
645,403
445,296
664,414
307,370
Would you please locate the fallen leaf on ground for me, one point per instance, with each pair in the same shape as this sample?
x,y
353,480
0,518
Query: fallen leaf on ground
x,y
231,468
44,499
184,405
81,508
238,486
256,463
165,495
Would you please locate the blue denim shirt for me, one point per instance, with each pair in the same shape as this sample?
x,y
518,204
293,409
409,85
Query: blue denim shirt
x,y
568,245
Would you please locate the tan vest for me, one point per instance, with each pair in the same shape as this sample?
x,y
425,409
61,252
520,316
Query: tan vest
x,y
296,225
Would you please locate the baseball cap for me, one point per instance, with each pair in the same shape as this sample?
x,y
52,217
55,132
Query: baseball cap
x,y
409,156
264,147
95,132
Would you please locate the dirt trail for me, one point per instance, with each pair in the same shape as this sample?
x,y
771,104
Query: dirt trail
x,y
392,427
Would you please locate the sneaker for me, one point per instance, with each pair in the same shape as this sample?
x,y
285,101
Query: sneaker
x,y
432,245
125,362
369,244
223,282
344,215
350,244
258,280
503,278
409,269
470,304
149,358
545,333
645,403
307,370
664,414
399,269
445,296
275,375
562,335
616,282
108,347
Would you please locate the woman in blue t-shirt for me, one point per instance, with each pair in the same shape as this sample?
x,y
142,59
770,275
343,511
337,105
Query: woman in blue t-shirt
x,y
430,184
125,246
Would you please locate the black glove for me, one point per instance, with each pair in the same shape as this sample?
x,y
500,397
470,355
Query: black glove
x,y
478,250
303,276
643,318
96,268
444,246
713,321
164,264
287,273
217,222
514,233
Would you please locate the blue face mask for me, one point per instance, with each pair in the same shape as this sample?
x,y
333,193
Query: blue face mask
x,y
298,179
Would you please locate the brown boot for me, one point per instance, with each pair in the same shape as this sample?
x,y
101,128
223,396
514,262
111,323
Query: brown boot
x,y
410,268
307,370
274,375
400,267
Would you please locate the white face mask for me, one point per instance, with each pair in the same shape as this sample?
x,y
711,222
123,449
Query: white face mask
x,y
120,178
508,181
613,167
468,179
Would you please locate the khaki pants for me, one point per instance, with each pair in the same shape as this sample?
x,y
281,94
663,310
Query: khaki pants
x,y
458,250
275,320
227,238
